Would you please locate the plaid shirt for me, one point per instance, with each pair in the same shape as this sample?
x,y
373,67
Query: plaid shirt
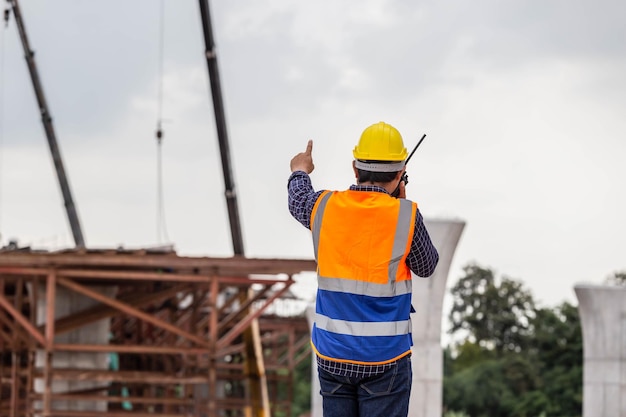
x,y
352,370
422,258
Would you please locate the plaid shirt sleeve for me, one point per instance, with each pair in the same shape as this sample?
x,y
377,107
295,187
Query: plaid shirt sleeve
x,y
301,197
423,257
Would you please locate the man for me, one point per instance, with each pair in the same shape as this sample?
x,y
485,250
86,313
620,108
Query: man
x,y
366,244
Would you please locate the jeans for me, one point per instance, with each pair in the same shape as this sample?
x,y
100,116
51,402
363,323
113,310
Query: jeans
x,y
383,395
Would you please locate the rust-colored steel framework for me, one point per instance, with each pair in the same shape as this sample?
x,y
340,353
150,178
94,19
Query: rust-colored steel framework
x,y
174,345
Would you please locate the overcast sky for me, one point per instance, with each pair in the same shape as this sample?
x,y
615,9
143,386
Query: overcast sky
x,y
523,103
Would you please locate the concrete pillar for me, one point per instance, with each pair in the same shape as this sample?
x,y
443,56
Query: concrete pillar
x,y
66,303
603,319
428,294
427,358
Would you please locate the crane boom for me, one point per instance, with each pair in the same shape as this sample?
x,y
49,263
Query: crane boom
x,y
253,363
70,208
220,124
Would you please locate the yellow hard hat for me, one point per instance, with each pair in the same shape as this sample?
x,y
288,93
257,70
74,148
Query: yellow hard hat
x,y
380,142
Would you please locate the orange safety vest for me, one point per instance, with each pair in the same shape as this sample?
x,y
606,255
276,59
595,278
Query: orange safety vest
x,y
361,240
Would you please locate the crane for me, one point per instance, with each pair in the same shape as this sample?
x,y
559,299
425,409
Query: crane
x,y
70,207
257,381
254,359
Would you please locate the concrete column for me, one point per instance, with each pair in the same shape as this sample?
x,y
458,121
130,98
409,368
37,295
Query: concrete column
x,y
603,319
428,294
66,303
427,359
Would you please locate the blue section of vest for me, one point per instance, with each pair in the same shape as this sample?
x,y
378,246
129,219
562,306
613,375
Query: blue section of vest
x,y
363,308
362,328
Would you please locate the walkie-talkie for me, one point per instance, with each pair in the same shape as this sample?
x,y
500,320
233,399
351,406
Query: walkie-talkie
x,y
405,177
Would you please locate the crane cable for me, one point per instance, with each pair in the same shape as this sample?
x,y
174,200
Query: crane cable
x,y
7,14
161,223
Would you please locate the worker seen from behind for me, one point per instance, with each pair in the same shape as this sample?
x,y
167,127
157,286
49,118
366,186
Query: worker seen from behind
x,y
366,240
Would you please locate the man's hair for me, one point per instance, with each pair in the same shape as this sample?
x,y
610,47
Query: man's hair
x,y
369,176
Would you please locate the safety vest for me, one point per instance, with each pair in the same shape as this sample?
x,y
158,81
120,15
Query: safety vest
x,y
361,240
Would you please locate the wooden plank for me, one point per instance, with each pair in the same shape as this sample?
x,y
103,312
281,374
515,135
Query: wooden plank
x,y
146,377
67,413
103,311
236,265
139,349
131,311
23,321
117,399
243,324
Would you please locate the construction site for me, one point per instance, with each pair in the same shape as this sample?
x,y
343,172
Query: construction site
x,y
142,330
86,332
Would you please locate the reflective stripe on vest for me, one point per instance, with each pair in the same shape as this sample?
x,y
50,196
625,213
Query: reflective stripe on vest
x,y
357,328
406,222
316,226
365,288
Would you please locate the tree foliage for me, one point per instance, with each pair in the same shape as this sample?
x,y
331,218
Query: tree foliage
x,y
517,360
495,313
504,387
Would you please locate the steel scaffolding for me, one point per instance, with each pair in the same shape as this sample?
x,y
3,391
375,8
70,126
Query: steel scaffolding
x,y
174,333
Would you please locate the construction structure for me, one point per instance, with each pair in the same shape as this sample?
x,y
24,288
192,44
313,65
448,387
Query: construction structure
x,y
161,334
64,301
602,311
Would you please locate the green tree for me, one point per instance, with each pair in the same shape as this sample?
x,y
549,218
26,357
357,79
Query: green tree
x,y
492,388
495,313
517,360
557,350
469,354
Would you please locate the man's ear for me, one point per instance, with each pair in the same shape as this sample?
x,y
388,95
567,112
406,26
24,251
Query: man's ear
x,y
356,172
399,174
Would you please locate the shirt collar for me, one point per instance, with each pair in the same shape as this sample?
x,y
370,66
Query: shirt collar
x,y
375,188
